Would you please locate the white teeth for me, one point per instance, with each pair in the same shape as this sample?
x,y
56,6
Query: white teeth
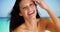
x,y
30,12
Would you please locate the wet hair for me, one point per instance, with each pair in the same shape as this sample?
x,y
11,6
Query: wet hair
x,y
15,19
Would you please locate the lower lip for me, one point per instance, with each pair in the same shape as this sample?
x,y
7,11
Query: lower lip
x,y
31,13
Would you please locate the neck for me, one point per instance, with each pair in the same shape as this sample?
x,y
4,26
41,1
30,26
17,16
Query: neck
x,y
31,22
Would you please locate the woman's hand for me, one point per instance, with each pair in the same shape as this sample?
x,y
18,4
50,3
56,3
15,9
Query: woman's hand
x,y
42,4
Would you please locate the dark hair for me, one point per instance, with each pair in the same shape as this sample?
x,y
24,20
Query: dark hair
x,y
15,19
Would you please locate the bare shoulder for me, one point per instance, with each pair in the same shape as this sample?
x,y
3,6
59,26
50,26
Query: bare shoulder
x,y
21,28
44,19
49,24
47,20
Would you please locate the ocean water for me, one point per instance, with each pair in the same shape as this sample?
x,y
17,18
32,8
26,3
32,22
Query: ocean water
x,y
4,24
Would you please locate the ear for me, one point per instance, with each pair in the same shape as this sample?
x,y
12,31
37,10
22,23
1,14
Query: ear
x,y
20,14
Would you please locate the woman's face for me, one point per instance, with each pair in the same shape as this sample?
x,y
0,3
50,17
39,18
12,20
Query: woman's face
x,y
27,9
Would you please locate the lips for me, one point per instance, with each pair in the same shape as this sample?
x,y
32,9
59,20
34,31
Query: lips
x,y
30,12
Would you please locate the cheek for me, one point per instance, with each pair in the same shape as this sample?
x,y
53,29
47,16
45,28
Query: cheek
x,y
24,12
35,10
34,7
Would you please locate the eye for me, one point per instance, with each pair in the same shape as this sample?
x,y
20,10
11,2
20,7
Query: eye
x,y
24,8
31,4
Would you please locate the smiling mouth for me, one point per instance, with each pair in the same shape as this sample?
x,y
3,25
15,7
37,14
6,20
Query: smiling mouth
x,y
30,13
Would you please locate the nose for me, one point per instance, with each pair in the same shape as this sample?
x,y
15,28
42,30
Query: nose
x,y
29,8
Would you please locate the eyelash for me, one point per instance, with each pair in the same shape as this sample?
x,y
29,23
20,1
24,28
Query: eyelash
x,y
25,8
31,4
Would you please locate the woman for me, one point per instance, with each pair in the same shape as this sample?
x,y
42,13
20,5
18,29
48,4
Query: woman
x,y
25,18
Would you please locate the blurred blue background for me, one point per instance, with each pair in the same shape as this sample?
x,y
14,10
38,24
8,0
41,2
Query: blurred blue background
x,y
6,7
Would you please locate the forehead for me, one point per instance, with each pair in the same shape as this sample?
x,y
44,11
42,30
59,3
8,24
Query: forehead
x,y
24,2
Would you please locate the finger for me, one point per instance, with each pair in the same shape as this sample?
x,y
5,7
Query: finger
x,y
34,0
37,2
